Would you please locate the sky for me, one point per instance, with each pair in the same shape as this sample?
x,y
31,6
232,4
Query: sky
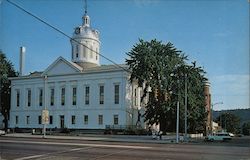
x,y
214,33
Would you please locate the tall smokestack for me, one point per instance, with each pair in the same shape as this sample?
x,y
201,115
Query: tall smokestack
x,y
21,62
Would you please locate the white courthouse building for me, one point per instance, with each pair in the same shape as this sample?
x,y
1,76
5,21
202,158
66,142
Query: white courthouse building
x,y
79,94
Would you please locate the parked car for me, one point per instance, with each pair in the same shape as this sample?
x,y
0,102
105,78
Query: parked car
x,y
224,136
231,135
2,132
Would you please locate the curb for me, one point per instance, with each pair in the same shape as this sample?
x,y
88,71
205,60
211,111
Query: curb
x,y
87,138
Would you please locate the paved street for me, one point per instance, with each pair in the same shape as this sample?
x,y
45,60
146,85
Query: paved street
x,y
37,148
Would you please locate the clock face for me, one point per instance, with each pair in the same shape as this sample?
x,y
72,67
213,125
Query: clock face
x,y
77,30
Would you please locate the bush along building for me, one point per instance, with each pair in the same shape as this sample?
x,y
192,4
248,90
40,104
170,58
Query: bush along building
x,y
78,94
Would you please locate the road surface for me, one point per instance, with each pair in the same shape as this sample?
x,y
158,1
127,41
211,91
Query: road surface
x,y
53,149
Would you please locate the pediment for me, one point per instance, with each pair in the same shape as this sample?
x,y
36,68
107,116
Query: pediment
x,y
61,66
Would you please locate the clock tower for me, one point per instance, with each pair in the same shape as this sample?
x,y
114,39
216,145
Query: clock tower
x,y
85,44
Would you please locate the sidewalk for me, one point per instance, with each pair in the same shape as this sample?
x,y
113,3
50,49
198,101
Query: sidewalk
x,y
107,138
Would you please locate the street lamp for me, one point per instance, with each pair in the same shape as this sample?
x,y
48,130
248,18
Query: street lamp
x,y
211,120
177,110
45,106
185,137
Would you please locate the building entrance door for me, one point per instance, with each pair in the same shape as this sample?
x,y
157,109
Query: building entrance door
x,y
62,121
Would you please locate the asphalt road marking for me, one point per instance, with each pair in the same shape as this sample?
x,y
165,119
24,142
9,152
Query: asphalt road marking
x,y
29,157
111,154
86,146
48,155
78,149
80,144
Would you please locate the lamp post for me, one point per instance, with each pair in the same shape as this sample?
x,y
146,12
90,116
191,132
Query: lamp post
x,y
177,121
211,120
177,109
178,112
185,137
45,106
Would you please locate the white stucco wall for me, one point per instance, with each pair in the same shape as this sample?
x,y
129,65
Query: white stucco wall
x,y
124,109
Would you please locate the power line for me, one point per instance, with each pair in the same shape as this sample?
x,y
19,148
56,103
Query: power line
x,y
63,33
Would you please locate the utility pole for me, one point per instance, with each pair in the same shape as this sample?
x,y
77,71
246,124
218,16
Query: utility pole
x,y
44,115
185,137
177,121
177,113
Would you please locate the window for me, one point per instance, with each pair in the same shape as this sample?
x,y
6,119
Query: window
x,y
101,95
116,120
16,119
91,52
87,95
77,50
63,96
40,97
84,52
74,96
116,98
135,97
96,56
73,119
29,97
72,51
86,119
39,119
100,119
52,96
17,98
27,119
50,119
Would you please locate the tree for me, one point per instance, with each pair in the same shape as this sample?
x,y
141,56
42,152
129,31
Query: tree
x,y
246,128
6,70
164,69
229,122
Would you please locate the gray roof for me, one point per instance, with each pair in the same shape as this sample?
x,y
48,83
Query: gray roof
x,y
97,69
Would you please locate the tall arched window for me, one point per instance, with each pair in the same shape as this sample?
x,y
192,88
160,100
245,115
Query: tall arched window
x,y
77,51
96,55
84,52
91,52
72,52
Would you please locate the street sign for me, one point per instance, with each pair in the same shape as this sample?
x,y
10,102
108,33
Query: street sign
x,y
45,116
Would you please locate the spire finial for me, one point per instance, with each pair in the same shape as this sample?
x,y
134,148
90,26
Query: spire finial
x,y
85,18
86,7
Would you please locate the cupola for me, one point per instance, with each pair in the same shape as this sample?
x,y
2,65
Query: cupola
x,y
85,44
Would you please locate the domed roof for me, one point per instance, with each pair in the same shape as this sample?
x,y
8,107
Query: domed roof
x,y
86,32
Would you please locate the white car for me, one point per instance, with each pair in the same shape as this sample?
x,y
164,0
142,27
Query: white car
x,y
219,137
2,132
231,135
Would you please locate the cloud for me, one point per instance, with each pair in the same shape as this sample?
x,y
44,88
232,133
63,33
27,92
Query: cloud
x,y
233,84
233,90
143,3
222,34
